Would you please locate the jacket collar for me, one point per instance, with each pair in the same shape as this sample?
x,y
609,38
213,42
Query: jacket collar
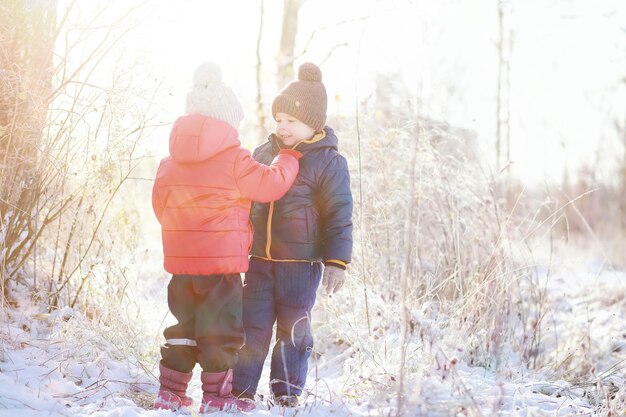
x,y
324,139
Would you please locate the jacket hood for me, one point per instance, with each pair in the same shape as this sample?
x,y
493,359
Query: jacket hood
x,y
327,140
195,138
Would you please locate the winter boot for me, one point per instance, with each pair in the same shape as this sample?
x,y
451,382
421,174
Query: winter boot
x,y
217,394
173,391
286,400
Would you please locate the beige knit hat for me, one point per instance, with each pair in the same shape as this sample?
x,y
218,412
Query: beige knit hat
x,y
211,97
304,98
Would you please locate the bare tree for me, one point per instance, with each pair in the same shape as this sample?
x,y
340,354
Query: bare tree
x,y
503,114
287,53
259,86
289,31
621,131
285,58
67,144
29,31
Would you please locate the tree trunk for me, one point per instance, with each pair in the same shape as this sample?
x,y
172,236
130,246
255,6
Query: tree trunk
x,y
500,46
621,129
287,42
503,104
260,112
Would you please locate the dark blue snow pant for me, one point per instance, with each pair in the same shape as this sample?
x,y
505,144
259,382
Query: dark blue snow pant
x,y
281,293
209,331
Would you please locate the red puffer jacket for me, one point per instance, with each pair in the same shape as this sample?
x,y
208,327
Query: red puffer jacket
x,y
202,196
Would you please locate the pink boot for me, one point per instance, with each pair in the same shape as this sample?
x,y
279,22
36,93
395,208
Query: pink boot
x,y
173,390
217,394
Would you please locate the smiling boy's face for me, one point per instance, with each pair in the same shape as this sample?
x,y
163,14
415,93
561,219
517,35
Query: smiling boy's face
x,y
291,130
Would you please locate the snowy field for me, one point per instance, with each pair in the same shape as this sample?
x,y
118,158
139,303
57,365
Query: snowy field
x,y
64,364
479,334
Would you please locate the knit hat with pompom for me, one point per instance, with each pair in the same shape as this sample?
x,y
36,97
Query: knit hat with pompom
x,y
209,96
304,98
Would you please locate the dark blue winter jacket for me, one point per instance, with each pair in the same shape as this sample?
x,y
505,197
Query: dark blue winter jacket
x,y
313,221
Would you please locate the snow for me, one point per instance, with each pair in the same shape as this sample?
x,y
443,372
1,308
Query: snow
x,y
104,362
65,364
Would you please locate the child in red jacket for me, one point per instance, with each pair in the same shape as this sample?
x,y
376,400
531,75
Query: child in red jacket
x,y
202,196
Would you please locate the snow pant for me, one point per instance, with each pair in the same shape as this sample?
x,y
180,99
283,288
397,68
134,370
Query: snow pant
x,y
281,293
209,330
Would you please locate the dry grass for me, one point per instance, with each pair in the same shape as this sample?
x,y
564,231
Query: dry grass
x,y
452,263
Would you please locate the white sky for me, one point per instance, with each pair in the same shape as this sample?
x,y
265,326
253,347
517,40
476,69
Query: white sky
x,y
569,57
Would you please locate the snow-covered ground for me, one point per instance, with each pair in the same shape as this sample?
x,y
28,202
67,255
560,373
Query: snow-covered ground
x,y
65,364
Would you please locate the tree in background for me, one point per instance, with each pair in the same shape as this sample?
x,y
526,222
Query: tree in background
x,y
284,60
28,32
621,130
68,142
503,116
288,34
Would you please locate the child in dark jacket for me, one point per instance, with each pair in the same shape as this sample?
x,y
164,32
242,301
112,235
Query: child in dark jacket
x,y
310,226
201,197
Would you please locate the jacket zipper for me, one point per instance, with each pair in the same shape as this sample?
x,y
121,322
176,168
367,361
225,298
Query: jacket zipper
x,y
268,244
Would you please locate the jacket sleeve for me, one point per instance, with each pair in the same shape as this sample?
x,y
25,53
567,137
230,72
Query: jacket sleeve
x,y
157,205
335,205
263,183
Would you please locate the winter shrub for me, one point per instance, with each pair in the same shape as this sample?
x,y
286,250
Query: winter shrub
x,y
429,212
69,143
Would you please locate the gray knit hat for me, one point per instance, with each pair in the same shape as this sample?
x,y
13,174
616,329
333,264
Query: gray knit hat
x,y
209,96
304,98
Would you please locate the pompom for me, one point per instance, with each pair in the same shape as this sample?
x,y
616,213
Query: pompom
x,y
207,73
309,72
